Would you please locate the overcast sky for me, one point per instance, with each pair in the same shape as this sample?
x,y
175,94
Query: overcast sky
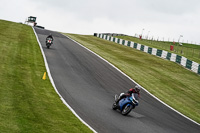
x,y
166,19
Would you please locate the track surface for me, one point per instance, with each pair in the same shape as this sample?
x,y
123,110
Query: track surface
x,y
88,85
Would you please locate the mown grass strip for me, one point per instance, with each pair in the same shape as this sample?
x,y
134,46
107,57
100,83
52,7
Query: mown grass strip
x,y
27,102
167,80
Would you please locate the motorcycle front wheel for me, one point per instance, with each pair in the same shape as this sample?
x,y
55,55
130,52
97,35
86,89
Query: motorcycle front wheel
x,y
127,109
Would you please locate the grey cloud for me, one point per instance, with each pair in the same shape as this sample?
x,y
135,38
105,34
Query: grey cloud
x,y
173,16
176,7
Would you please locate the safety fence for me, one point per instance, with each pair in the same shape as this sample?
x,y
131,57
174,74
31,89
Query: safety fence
x,y
191,65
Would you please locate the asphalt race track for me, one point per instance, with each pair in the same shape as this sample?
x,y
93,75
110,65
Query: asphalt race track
x,y
88,84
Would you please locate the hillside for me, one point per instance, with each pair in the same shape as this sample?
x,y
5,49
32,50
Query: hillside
x,y
30,104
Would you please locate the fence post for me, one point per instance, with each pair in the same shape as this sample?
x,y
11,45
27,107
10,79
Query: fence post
x,y
192,52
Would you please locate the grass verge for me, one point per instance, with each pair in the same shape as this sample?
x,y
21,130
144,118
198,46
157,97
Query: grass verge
x,y
28,103
167,80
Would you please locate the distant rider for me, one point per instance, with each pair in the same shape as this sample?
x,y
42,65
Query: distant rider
x,y
133,91
49,36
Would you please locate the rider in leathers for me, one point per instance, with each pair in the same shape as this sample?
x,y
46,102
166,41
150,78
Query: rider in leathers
x,y
49,36
133,91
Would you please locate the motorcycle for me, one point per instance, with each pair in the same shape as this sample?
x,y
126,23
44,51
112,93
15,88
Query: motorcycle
x,y
125,105
49,42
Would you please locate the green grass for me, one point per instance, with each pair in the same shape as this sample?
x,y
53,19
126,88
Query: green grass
x,y
170,82
28,103
190,51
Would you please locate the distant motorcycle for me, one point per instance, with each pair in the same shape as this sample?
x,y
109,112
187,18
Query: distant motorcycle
x,y
49,42
125,105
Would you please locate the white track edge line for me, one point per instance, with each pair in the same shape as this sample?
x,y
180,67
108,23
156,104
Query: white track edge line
x,y
136,82
53,84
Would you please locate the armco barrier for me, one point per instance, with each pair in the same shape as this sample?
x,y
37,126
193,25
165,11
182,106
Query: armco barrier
x,y
191,65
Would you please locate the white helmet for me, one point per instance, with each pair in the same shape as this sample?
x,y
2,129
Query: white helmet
x,y
137,88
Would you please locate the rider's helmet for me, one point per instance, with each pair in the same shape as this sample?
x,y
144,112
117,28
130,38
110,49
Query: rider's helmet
x,y
137,88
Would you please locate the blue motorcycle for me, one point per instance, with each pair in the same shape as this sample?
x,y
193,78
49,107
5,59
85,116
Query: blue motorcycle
x,y
125,105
